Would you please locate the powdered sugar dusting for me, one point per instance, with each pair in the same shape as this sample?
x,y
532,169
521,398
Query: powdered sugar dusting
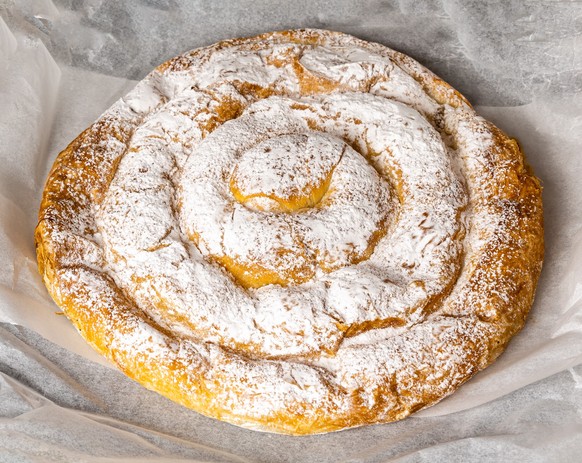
x,y
323,166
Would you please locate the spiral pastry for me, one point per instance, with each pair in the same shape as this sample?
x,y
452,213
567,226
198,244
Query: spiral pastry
x,y
298,232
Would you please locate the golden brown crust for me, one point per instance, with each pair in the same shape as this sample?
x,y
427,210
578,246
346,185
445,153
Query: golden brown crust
x,y
463,334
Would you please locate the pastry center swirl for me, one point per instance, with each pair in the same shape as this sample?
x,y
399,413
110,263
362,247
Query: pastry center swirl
x,y
282,215
286,173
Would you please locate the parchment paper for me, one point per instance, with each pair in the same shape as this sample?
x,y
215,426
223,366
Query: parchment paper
x,y
63,63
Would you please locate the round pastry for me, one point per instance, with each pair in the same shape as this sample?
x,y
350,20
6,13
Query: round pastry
x,y
298,232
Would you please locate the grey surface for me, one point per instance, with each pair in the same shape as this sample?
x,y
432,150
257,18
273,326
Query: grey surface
x,y
89,404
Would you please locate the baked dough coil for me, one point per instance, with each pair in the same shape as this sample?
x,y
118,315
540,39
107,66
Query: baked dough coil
x,y
298,232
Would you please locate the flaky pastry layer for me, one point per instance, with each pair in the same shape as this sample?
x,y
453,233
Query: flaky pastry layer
x,y
299,330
